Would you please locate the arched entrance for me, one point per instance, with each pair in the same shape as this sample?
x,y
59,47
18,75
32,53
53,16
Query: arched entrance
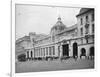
x,y
83,52
75,50
31,55
92,51
65,49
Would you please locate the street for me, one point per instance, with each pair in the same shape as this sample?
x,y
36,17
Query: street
x,y
37,66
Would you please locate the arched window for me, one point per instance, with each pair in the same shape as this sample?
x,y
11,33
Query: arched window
x,y
75,49
31,54
92,51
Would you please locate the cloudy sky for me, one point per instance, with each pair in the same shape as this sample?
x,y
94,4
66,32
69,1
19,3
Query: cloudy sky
x,y
40,19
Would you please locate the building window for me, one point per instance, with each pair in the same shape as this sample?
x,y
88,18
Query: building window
x,y
86,39
27,54
87,19
92,17
81,31
81,21
87,28
31,54
53,50
92,28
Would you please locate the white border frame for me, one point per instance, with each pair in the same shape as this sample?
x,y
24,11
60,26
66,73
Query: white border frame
x,y
55,4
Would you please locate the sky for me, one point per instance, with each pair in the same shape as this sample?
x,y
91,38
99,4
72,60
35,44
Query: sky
x,y
40,19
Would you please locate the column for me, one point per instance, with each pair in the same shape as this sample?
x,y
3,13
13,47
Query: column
x,y
61,51
39,52
33,52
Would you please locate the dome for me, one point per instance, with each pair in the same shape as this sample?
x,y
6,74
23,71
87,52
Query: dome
x,y
58,27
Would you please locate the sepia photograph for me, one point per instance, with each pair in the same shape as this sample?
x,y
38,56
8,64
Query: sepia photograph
x,y
54,38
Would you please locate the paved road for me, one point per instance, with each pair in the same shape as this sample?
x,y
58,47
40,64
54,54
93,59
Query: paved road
x,y
37,66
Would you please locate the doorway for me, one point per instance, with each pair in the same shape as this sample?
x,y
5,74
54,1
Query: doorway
x,y
92,51
75,50
65,50
83,52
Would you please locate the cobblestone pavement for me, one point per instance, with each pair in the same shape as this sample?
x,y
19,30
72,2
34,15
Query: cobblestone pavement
x,y
37,66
